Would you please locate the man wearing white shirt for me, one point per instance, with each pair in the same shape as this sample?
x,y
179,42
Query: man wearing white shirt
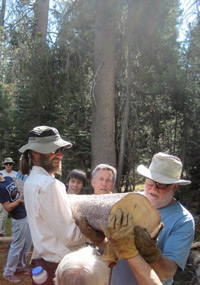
x,y
54,232
8,164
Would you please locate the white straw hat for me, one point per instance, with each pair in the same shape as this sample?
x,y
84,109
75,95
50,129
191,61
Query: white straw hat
x,y
165,169
44,139
8,160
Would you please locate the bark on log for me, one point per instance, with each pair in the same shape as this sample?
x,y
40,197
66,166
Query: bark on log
x,y
19,184
96,209
194,259
6,239
195,245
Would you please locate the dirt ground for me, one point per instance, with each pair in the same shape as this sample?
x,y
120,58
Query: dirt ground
x,y
25,279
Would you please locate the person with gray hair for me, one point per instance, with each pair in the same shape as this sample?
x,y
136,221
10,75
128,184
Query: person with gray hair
x,y
103,179
82,267
162,179
85,267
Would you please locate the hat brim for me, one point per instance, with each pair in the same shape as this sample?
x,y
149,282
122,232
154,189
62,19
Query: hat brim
x,y
144,171
45,147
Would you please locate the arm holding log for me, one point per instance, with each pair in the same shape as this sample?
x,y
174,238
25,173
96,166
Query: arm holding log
x,y
121,237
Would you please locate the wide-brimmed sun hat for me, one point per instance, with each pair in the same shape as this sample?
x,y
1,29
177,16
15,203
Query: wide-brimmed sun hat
x,y
8,160
165,169
44,139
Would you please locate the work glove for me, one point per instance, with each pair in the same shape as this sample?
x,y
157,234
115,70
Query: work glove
x,y
109,255
120,234
95,236
147,246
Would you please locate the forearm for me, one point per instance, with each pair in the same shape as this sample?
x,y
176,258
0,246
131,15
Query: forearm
x,y
11,206
144,274
164,267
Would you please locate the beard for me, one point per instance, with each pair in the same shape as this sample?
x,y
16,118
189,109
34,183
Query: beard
x,y
48,164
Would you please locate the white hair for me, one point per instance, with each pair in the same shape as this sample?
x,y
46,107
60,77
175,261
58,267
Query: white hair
x,y
81,267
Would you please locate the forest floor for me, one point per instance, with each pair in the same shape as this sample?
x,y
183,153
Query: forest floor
x,y
187,277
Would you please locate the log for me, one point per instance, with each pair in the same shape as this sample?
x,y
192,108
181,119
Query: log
x,y
19,184
96,209
195,245
6,239
194,259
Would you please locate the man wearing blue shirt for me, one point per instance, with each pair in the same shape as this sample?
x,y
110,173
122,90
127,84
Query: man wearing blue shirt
x,y
162,181
13,203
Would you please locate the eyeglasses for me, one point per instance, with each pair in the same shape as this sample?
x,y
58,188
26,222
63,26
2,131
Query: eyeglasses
x,y
61,149
158,185
8,163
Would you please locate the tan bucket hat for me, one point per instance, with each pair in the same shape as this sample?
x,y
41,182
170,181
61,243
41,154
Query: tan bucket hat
x,y
165,169
44,139
8,160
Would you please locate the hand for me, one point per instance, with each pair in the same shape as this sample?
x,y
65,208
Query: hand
x,y
95,236
109,255
121,235
147,247
21,198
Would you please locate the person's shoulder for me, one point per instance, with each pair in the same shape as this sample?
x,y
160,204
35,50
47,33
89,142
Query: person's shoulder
x,y
186,212
181,213
8,178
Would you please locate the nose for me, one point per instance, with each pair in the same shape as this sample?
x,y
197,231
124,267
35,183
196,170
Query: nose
x,y
103,182
59,154
155,187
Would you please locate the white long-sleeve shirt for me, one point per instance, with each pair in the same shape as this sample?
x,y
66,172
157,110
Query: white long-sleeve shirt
x,y
54,232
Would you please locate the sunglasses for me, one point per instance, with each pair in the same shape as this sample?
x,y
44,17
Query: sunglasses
x,y
158,185
8,163
61,149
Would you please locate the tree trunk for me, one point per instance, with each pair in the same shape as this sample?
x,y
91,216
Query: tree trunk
x,y
2,15
125,118
41,19
103,103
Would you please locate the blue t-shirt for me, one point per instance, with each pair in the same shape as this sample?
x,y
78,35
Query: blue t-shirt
x,y
9,192
21,177
174,240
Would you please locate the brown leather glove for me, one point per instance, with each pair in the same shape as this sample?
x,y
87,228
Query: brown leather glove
x,y
109,255
120,234
147,247
95,236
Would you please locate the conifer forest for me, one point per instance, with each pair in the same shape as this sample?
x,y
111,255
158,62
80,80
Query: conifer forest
x,y
113,76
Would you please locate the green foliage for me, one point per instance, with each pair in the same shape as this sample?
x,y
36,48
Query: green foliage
x,y
51,83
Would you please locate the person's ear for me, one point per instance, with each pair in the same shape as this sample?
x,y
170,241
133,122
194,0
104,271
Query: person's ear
x,y
92,182
35,155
